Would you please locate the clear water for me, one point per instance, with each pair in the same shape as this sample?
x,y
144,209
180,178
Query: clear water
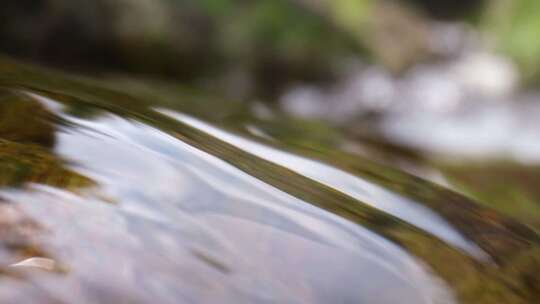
x,y
113,196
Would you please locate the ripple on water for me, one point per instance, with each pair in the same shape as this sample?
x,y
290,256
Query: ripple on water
x,y
170,223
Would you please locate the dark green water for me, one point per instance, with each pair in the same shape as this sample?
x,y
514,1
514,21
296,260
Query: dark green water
x,y
114,193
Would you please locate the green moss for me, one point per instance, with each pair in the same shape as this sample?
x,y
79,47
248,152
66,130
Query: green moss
x,y
24,120
25,163
509,188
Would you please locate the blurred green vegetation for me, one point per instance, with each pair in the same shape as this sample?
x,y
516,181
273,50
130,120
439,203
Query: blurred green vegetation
x,y
514,25
269,43
273,41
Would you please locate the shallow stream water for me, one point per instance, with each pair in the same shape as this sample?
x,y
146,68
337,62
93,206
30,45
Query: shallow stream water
x,y
108,195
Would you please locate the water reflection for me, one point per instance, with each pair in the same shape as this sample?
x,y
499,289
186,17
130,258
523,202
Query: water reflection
x,y
238,238
37,262
355,187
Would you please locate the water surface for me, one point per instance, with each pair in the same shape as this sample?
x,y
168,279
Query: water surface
x,y
109,194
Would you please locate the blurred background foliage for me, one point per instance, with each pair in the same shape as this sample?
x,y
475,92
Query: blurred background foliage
x,y
515,27
259,46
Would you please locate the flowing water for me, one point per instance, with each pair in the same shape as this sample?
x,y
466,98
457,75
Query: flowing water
x,y
112,195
